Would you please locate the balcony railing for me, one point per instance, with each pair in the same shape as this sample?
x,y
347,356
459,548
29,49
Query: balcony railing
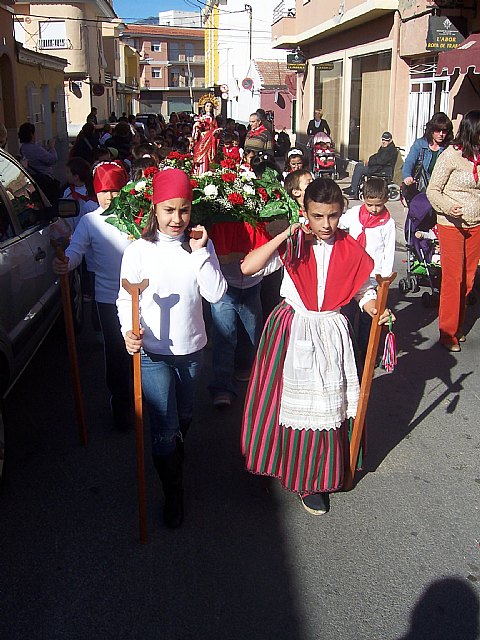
x,y
53,43
284,10
132,82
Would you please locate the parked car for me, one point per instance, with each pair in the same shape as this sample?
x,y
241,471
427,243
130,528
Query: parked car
x,y
30,299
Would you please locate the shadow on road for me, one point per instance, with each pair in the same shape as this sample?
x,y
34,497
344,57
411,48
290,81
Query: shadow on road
x,y
447,610
395,398
71,565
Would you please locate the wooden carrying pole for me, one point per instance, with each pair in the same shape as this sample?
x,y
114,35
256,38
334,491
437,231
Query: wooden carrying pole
x,y
135,289
60,247
367,377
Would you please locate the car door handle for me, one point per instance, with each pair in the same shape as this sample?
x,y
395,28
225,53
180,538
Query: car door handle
x,y
40,255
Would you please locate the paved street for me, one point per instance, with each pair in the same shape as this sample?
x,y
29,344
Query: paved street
x,y
396,558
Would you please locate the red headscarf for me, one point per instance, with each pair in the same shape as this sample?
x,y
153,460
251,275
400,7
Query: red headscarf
x,y
171,183
109,176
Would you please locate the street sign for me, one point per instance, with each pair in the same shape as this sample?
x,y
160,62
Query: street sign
x,y
296,62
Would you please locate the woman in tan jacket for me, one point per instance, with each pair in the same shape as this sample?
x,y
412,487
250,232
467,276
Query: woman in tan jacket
x,y
454,192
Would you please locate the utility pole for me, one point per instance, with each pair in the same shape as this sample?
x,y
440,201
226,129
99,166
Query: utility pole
x,y
248,7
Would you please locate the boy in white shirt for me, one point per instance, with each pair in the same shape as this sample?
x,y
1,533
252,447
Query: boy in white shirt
x,y
372,226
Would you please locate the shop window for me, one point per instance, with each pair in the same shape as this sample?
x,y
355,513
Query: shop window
x,y
328,95
369,103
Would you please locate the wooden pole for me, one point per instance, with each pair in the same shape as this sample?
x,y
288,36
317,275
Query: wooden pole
x,y
367,377
135,289
60,247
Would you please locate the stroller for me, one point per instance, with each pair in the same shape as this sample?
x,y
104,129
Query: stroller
x,y
423,255
324,162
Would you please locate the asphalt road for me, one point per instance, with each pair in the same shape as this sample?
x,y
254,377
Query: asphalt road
x,y
396,558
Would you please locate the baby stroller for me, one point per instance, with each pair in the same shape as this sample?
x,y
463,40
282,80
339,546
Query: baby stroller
x,y
324,162
423,255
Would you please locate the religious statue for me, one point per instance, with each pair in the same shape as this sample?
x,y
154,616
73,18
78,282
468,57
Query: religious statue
x,y
205,135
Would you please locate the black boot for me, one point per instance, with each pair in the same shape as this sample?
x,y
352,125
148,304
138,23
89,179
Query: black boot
x,y
169,469
184,427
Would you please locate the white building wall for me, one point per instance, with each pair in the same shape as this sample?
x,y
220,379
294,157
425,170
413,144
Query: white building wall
x,y
234,52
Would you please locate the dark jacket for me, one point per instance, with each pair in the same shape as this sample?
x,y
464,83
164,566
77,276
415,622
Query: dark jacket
x,y
383,160
322,128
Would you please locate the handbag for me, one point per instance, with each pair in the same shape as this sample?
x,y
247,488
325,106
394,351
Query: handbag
x,y
419,173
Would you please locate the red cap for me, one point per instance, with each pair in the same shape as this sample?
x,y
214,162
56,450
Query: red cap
x,y
171,183
109,176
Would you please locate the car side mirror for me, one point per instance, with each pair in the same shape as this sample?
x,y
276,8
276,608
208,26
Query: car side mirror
x,y
68,208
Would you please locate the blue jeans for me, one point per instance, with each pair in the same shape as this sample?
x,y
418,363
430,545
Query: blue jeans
x,y
168,385
236,303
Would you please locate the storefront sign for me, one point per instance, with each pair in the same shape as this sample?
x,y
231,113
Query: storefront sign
x,y
325,66
442,34
296,62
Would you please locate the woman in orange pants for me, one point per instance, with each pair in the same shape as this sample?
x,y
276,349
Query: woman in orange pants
x,y
454,192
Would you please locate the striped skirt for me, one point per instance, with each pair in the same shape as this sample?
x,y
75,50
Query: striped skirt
x,y
304,460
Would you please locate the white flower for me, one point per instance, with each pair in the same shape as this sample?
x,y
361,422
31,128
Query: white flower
x,y
140,186
249,190
207,173
210,191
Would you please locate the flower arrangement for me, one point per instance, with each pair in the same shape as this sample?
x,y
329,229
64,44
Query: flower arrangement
x,y
225,194
129,210
177,160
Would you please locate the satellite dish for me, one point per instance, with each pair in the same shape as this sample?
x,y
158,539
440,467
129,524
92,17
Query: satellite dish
x,y
247,83
98,89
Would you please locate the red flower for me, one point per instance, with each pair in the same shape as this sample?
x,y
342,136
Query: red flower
x,y
263,193
194,183
147,195
277,195
228,163
236,198
174,155
150,171
228,177
132,192
138,218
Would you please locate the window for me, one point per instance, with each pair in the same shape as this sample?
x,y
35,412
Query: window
x,y
157,72
53,35
174,51
26,202
189,51
156,46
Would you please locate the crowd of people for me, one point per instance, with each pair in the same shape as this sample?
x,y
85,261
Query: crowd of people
x,y
301,367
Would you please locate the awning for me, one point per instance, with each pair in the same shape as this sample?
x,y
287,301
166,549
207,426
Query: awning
x,y
463,58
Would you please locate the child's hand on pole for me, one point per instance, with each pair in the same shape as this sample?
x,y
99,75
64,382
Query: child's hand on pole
x,y
60,266
133,342
370,308
198,237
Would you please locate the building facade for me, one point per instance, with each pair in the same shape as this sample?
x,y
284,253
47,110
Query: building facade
x,y
73,32
31,90
369,66
237,34
172,67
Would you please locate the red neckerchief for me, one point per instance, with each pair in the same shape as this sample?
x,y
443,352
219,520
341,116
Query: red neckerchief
x,y
369,221
348,257
258,131
78,196
475,161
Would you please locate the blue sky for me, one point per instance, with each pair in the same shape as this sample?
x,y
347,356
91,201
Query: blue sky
x,y
126,9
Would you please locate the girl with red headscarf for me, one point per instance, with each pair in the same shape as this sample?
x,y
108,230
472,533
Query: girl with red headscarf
x,y
105,245
180,270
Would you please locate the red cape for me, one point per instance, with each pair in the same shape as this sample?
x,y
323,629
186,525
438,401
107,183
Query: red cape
x,y
348,270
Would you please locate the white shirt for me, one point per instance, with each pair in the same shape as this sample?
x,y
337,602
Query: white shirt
x,y
380,241
107,244
84,206
171,310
